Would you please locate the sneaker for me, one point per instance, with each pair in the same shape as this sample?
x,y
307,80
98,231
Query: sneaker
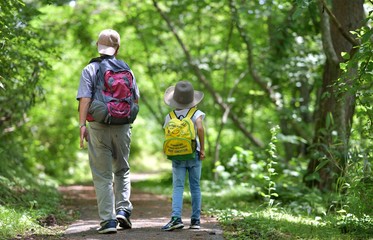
x,y
123,218
175,223
195,224
109,226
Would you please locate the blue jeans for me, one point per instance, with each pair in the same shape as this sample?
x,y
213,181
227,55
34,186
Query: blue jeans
x,y
179,169
108,150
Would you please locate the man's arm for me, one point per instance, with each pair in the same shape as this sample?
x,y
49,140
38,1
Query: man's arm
x,y
83,111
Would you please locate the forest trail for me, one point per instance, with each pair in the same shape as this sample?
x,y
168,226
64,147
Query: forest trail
x,y
150,213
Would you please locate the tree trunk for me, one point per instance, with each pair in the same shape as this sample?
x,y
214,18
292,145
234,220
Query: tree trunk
x,y
335,109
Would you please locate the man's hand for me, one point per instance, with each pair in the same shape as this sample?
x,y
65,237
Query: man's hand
x,y
83,111
83,136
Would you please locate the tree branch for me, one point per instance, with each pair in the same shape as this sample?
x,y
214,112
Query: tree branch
x,y
326,35
217,98
344,33
273,96
155,112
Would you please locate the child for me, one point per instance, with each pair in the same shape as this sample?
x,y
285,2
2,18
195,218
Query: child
x,y
182,97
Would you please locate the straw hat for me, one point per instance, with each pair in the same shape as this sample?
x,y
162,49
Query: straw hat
x,y
182,95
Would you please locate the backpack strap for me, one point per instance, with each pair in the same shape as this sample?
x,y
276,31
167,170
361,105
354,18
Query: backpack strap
x,y
191,112
96,81
172,115
189,115
97,59
100,59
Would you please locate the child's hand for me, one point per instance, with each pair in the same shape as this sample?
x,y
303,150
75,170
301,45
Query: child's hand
x,y
202,154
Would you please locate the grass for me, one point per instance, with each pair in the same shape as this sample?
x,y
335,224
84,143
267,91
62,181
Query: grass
x,y
278,224
29,206
244,215
27,203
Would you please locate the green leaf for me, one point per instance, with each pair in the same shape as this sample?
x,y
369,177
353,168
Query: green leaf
x,y
322,164
329,120
345,56
343,66
342,211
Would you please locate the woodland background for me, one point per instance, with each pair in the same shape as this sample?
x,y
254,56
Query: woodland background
x,y
288,92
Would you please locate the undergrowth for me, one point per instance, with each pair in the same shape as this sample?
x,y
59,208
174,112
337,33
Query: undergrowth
x,y
244,214
29,204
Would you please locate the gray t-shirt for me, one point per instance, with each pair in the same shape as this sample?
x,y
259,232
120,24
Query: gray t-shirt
x,y
181,114
88,77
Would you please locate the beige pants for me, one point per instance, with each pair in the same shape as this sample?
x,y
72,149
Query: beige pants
x,y
109,149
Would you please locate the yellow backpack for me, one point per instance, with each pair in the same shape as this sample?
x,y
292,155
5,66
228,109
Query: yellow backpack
x,y
180,137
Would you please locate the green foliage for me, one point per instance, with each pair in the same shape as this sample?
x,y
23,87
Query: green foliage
x,y
359,197
270,73
243,216
279,85
358,67
360,83
271,193
283,225
360,227
356,189
25,207
25,200
158,61
23,63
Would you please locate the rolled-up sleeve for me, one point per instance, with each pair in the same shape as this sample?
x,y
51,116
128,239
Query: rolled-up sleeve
x,y
137,92
86,82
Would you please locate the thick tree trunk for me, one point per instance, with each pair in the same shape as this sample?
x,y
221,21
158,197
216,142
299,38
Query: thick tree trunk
x,y
335,109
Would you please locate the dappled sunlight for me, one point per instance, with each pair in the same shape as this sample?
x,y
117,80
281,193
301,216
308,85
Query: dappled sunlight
x,y
270,224
287,95
282,216
150,213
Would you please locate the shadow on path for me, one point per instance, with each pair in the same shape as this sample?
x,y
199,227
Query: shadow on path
x,y
150,213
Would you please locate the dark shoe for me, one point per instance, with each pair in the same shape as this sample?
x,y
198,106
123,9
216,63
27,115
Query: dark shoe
x,y
195,224
109,226
175,223
124,219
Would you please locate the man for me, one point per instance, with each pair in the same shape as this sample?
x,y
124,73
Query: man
x,y
108,145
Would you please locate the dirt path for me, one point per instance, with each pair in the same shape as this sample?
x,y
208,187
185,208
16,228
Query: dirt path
x,y
150,213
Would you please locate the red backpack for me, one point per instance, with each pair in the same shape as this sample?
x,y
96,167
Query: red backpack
x,y
114,94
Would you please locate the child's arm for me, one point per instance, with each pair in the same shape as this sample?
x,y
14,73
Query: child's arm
x,y
201,137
